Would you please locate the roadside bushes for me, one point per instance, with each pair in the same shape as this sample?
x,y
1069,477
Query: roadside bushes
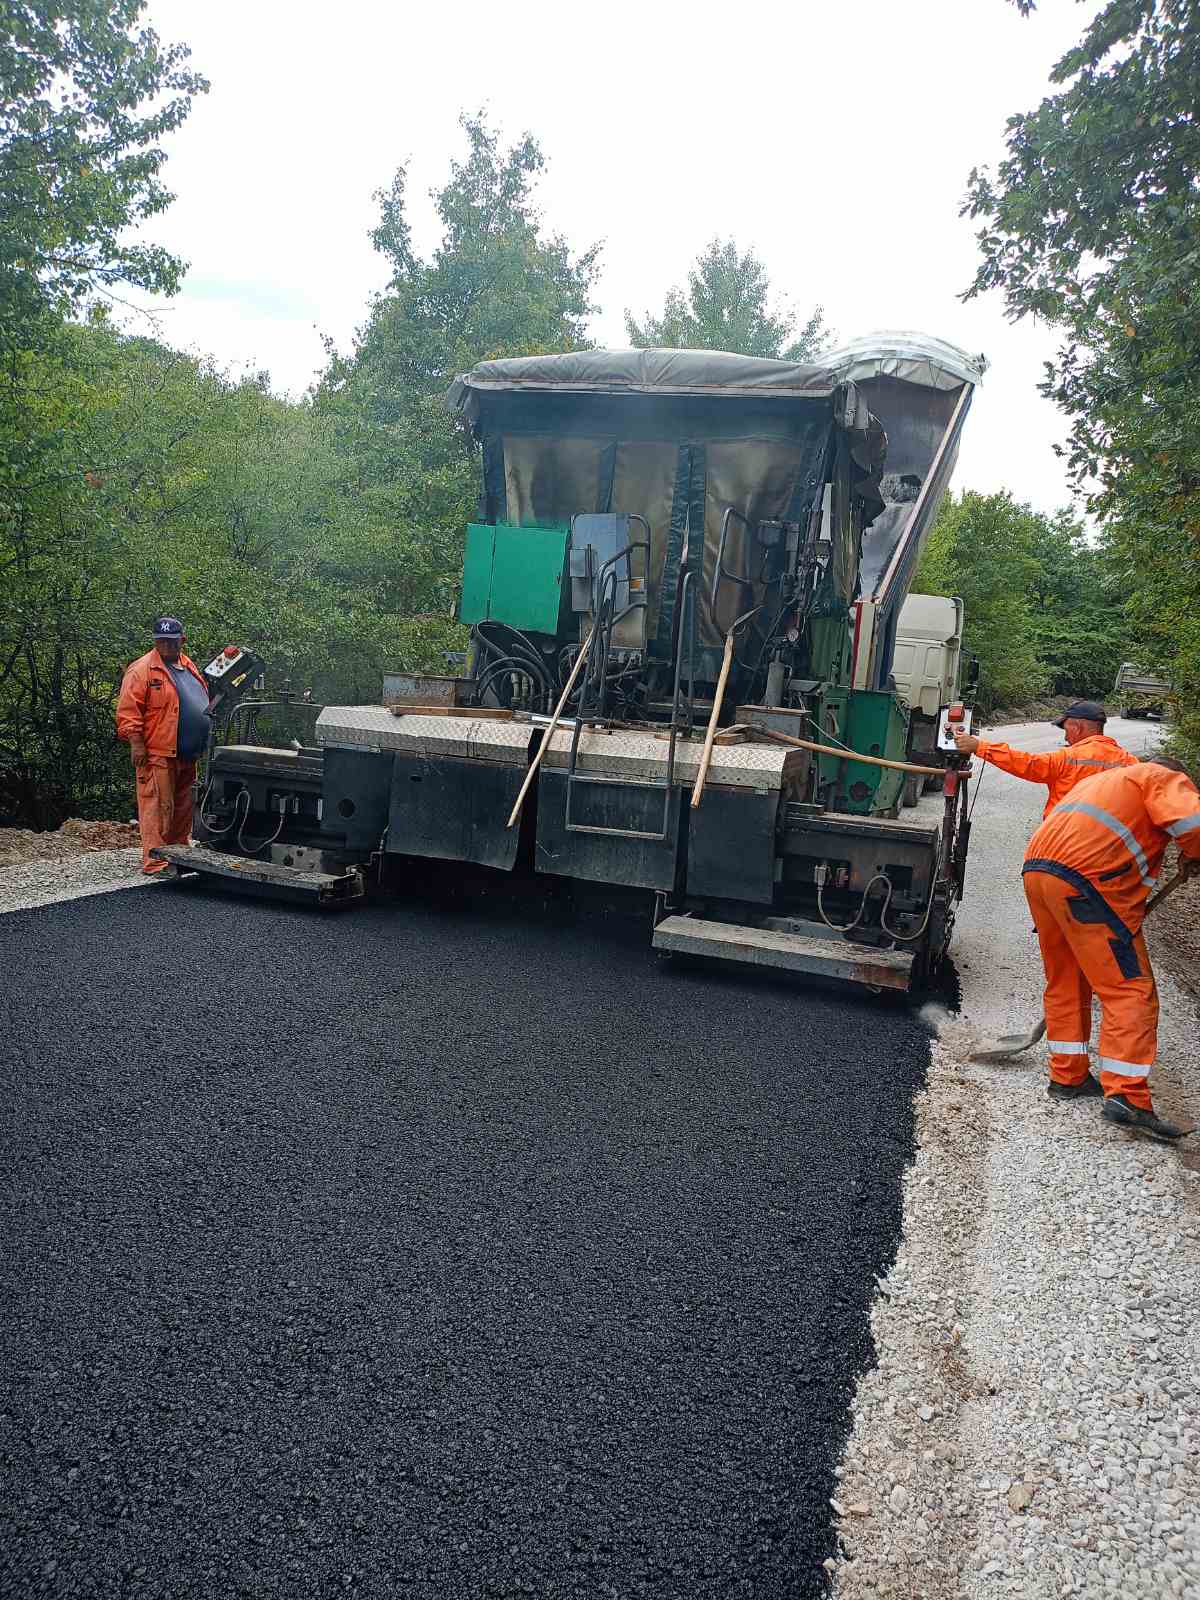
x,y
1043,607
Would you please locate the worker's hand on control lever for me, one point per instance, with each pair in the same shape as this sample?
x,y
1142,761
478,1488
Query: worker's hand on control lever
x,y
966,744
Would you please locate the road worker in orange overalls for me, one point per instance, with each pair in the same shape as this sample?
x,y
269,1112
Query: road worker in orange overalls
x,y
1089,870
1088,750
163,715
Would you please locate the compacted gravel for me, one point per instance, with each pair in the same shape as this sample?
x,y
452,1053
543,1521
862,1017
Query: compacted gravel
x,y
47,880
431,1255
1033,1427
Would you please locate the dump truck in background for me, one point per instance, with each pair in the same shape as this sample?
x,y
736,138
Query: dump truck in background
x,y
676,687
1139,693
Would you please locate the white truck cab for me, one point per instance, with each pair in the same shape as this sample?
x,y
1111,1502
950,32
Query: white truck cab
x,y
927,662
927,669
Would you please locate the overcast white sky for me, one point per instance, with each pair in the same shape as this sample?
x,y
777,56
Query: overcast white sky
x,y
835,139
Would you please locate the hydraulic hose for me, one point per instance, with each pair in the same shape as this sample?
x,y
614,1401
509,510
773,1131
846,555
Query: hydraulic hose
x,y
845,927
229,827
252,850
880,877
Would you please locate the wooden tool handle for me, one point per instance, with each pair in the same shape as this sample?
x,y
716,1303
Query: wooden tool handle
x,y
548,733
846,755
718,698
1167,888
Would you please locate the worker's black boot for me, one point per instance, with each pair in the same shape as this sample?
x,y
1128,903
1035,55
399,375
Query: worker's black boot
x,y
1117,1109
1089,1089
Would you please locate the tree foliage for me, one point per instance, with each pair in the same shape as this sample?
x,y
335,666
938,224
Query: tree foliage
x,y
982,549
171,488
1092,222
1042,602
727,306
1080,632
497,285
84,100
328,534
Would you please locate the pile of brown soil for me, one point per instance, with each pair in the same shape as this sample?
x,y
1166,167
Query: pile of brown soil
x,y
74,838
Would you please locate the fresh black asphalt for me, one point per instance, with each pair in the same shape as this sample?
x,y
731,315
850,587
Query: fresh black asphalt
x,y
427,1254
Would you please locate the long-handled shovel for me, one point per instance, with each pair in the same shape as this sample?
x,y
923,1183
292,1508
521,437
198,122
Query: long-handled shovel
x,y
1013,1044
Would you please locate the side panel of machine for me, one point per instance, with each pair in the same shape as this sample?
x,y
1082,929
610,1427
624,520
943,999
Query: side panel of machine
x,y
605,857
731,845
249,789
856,849
355,792
453,810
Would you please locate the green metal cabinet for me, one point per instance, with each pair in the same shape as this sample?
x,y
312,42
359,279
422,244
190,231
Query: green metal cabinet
x,y
875,723
515,575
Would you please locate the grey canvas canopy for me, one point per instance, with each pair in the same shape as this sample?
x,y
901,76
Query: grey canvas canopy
x,y
916,358
676,436
655,372
920,388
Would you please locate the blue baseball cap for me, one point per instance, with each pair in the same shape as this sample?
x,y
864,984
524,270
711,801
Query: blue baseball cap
x,y
168,628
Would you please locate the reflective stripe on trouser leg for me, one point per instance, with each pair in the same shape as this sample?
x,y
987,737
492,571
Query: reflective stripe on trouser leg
x,y
1129,1005
1068,995
1129,1032
1129,1029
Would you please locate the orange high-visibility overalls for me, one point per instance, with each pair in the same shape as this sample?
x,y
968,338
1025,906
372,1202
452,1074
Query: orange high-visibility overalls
x,y
1059,770
148,708
1089,870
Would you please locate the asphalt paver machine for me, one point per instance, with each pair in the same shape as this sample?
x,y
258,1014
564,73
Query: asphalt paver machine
x,y
682,587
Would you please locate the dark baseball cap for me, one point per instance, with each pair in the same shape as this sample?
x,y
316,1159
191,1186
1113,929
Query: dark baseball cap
x,y
168,628
1086,711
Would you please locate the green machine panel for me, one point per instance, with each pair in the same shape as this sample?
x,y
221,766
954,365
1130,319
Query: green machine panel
x,y
515,575
477,573
875,723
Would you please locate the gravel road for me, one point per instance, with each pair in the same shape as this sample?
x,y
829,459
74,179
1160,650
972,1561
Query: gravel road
x,y
1033,1426
415,1254
45,883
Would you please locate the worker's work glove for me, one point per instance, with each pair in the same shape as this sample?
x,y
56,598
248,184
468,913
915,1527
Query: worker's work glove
x,y
138,753
966,744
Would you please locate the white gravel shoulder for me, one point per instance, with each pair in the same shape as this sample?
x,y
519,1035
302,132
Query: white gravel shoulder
x,y
1033,1425
44,883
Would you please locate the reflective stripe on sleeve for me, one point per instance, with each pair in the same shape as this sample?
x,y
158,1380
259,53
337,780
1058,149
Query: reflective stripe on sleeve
x,y
1068,1047
1184,825
1124,1069
1114,825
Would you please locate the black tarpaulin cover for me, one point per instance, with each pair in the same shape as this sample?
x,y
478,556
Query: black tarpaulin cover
x,y
676,436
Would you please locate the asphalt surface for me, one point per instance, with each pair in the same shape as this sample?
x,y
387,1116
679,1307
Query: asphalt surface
x,y
418,1254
